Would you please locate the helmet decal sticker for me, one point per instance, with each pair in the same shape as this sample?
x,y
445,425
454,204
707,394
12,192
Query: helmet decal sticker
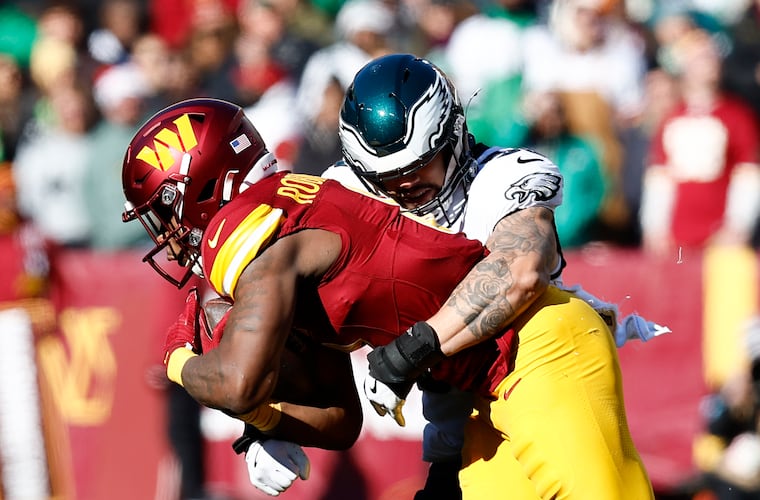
x,y
166,140
429,110
240,143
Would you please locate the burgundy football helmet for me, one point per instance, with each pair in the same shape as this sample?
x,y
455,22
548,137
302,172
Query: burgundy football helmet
x,y
181,167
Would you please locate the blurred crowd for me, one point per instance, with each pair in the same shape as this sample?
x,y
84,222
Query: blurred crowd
x,y
650,108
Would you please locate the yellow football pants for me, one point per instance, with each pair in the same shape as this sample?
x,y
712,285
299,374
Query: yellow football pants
x,y
557,428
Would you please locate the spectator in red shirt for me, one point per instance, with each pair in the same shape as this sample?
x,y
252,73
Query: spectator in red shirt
x,y
702,184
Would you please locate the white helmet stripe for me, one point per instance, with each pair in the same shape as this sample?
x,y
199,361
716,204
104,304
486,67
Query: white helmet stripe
x,y
184,169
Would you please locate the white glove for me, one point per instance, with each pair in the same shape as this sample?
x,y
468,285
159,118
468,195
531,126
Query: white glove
x,y
274,465
635,327
384,400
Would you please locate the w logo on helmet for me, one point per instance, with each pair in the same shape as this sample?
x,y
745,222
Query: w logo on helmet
x,y
166,141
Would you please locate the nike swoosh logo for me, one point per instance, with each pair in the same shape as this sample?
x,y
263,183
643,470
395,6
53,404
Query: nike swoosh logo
x,y
373,389
212,242
520,159
509,392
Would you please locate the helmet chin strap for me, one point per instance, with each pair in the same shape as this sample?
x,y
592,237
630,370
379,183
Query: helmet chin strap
x,y
198,269
229,182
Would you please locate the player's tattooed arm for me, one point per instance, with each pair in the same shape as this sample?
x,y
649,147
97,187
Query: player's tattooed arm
x,y
523,253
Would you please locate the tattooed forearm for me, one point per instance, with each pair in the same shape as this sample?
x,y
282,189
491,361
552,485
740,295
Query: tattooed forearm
x,y
529,231
481,299
523,253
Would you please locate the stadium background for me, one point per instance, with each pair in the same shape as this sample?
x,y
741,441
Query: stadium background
x,y
103,426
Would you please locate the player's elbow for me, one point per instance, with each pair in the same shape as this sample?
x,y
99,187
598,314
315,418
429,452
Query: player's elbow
x,y
345,430
243,394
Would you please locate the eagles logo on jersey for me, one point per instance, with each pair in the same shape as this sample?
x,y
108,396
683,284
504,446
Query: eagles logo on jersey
x,y
537,186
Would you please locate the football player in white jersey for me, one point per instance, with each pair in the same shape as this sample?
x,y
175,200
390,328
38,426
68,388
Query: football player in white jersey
x,y
404,135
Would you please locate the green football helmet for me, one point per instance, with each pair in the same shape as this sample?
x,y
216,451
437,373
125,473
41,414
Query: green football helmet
x,y
398,113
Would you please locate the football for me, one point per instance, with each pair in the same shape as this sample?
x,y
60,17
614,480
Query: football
x,y
298,377
212,313
215,309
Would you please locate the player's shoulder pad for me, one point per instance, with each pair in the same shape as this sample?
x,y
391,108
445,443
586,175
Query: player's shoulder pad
x,y
341,172
519,176
233,238
516,157
509,165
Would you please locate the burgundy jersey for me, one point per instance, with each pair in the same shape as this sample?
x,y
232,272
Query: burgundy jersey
x,y
701,151
393,269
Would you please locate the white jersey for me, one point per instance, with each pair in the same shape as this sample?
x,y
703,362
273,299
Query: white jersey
x,y
513,179
508,180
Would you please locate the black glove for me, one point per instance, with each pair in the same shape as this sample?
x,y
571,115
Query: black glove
x,y
401,362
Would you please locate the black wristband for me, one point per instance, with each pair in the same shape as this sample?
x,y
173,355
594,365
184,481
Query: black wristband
x,y
250,434
407,357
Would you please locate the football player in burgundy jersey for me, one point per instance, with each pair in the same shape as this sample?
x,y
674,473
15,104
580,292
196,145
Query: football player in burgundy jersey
x,y
305,253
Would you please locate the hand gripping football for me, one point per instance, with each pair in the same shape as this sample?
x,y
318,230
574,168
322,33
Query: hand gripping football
x,y
215,309
299,373
213,312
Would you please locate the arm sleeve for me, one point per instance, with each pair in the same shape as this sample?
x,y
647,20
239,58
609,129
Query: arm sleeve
x,y
657,197
743,202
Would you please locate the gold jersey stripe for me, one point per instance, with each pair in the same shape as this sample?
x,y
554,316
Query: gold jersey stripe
x,y
242,246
